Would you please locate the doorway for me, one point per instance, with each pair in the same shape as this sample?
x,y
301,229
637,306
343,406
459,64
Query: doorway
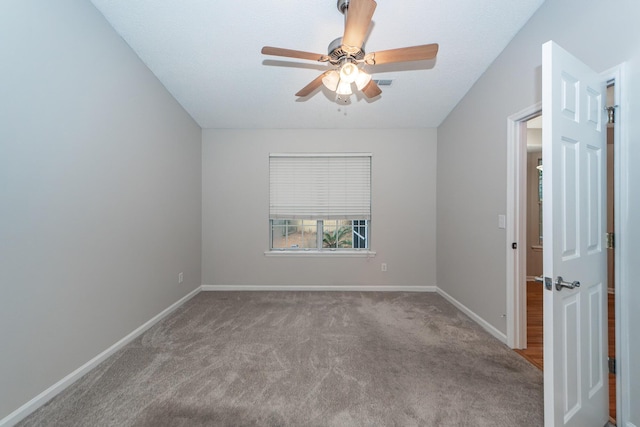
x,y
533,294
527,338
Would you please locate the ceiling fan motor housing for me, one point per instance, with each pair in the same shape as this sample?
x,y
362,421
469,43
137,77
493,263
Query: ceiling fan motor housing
x,y
338,54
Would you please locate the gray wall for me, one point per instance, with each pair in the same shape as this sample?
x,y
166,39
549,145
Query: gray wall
x,y
99,194
472,152
235,192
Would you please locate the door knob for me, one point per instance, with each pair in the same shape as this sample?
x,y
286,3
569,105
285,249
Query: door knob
x,y
560,283
546,280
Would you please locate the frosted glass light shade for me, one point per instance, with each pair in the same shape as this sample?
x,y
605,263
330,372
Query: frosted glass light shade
x,y
349,72
331,80
344,88
362,80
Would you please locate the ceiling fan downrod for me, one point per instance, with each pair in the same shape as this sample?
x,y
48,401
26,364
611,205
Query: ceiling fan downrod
x,y
343,5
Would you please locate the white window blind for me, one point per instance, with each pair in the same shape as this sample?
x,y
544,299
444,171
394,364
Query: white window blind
x,y
322,186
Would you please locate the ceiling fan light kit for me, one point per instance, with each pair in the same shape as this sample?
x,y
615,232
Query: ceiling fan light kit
x,y
349,72
362,80
344,88
347,57
331,80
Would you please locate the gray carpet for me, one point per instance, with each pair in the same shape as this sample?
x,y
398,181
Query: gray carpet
x,y
307,359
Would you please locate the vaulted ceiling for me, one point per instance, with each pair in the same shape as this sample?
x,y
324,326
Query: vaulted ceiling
x,y
207,54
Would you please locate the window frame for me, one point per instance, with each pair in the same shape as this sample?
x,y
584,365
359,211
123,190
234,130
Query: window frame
x,y
320,229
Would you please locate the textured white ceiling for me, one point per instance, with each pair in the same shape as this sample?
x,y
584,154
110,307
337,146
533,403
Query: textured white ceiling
x,y
207,54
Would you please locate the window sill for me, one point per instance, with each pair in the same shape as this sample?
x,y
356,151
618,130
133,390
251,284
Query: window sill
x,y
326,253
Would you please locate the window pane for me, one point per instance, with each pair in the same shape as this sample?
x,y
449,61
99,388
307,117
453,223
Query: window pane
x,y
293,234
278,235
311,234
360,234
540,202
337,234
303,234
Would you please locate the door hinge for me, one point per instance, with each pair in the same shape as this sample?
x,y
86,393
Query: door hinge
x,y
611,241
612,365
611,113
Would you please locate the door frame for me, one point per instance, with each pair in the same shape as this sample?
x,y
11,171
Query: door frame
x,y
620,183
517,225
516,233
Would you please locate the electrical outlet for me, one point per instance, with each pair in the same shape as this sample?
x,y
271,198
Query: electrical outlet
x,y
383,266
180,277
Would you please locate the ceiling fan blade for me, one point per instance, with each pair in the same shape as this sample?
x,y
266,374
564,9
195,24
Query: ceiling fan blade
x,y
289,53
403,54
371,90
316,83
359,14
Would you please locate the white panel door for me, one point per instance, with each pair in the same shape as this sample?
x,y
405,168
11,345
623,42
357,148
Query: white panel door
x,y
574,227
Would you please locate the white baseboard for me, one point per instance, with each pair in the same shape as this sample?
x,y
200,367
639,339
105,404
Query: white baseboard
x,y
319,288
26,409
479,320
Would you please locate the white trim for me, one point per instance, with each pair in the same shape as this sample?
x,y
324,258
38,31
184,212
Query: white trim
x,y
516,336
315,288
29,407
349,253
479,320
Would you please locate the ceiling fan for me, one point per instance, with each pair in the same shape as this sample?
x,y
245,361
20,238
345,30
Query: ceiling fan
x,y
346,54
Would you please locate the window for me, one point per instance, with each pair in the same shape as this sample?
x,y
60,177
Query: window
x,y
539,168
319,202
